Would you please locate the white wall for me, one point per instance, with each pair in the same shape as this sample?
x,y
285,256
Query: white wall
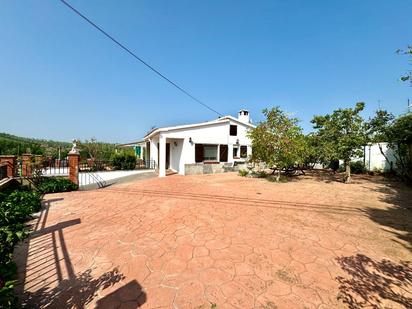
x,y
375,160
176,146
215,134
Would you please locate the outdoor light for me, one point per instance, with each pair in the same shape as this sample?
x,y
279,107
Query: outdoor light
x,y
237,142
190,140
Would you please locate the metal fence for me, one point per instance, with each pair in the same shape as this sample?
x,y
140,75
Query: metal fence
x,y
107,165
42,167
54,167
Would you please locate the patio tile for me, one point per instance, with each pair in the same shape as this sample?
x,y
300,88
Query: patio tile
x,y
201,241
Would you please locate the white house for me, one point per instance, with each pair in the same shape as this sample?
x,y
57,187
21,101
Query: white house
x,y
205,147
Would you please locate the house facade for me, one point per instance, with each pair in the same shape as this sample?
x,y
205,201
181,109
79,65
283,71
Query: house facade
x,y
205,147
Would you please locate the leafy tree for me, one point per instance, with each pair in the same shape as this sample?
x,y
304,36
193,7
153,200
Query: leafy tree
x,y
379,130
408,75
277,141
316,151
397,133
343,134
401,143
96,150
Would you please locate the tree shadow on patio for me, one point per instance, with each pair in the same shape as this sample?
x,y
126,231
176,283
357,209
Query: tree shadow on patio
x,y
375,284
74,292
47,276
397,216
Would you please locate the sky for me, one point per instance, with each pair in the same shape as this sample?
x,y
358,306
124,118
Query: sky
x,y
61,79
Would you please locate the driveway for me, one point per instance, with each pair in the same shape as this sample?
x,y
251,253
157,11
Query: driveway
x,y
222,241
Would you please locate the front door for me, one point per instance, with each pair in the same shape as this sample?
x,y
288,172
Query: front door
x,y
167,155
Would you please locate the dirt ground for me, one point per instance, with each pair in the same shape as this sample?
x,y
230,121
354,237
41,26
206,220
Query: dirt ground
x,y
222,241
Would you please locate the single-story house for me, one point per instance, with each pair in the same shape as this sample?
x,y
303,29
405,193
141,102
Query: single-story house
x,y
205,147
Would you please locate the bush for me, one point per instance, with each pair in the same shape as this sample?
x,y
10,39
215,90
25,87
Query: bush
x,y
243,173
55,184
356,167
124,161
15,208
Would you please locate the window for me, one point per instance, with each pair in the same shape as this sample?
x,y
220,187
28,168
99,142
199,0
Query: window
x,y
233,130
209,152
235,152
243,151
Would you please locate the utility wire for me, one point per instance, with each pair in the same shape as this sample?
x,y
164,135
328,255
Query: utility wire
x,y
138,58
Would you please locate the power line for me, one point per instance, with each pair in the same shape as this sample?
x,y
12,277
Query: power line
x,y
138,58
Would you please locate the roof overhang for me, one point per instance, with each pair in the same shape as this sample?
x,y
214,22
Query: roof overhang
x,y
196,125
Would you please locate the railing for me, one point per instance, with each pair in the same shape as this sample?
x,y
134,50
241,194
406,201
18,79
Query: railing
x,y
107,165
53,167
96,165
89,178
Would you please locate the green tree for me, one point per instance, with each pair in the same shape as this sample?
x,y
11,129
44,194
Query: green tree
x,y
316,151
397,133
277,141
408,52
343,134
379,130
401,143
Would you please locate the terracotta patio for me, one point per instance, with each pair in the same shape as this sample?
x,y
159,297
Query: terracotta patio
x,y
222,241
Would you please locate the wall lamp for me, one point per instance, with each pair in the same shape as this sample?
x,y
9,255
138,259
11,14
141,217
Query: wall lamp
x,y
190,140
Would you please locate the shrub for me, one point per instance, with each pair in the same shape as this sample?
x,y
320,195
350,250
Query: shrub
x,y
15,208
357,167
243,173
55,184
259,174
124,161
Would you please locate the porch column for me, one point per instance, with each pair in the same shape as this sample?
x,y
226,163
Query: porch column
x,y
162,156
230,153
153,153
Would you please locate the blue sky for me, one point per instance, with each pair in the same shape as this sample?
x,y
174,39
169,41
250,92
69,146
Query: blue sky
x,y
61,79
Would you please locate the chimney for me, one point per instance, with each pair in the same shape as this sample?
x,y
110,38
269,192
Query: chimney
x,y
243,116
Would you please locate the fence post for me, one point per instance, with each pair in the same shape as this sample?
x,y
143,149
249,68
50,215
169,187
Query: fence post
x,y
26,165
11,164
74,159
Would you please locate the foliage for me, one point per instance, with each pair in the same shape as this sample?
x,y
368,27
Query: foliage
x,y
401,142
315,151
397,132
55,184
356,167
278,141
408,75
379,129
123,161
15,208
15,145
243,173
93,149
342,134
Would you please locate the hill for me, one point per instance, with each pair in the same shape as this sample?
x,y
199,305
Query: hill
x,y
16,145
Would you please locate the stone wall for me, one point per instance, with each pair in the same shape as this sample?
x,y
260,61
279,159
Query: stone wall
x,y
201,168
